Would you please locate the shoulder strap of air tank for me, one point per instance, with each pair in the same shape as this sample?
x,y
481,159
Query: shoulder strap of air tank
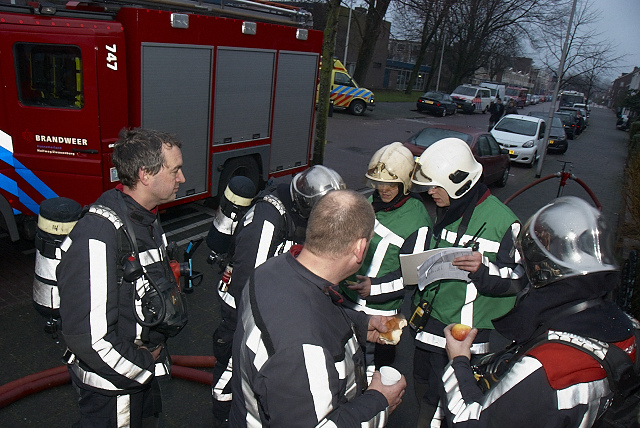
x,y
126,242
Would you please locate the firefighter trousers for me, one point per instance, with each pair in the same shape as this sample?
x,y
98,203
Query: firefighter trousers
x,y
222,347
141,409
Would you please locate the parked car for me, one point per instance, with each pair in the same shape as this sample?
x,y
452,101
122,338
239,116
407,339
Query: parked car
x,y
584,106
557,136
437,103
495,161
570,122
479,97
580,114
585,116
522,135
623,122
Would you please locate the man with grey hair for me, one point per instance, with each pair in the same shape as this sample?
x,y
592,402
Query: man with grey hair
x,y
298,359
116,348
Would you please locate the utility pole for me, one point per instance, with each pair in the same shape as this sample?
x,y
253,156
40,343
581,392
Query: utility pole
x,y
444,37
346,43
552,110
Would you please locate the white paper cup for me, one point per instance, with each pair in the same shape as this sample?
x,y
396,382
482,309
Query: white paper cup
x,y
389,375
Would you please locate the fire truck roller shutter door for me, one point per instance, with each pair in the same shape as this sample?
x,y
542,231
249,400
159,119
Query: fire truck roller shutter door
x,y
176,98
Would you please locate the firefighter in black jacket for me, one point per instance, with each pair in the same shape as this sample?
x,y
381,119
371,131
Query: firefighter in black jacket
x,y
297,352
113,360
541,380
276,221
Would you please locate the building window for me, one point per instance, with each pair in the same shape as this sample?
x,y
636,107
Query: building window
x,y
403,80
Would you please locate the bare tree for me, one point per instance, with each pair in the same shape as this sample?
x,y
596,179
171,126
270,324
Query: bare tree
x,y
478,26
421,20
376,11
589,53
501,50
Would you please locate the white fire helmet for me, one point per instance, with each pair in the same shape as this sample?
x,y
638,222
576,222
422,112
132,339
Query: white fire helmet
x,y
310,185
449,164
565,238
392,163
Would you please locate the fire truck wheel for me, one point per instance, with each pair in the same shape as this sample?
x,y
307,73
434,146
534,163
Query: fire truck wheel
x,y
246,166
357,107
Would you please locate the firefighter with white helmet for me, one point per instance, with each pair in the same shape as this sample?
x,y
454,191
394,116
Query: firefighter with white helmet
x,y
379,289
275,222
448,163
467,215
567,338
392,163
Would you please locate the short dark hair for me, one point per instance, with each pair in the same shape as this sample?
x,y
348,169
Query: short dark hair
x,y
140,148
337,220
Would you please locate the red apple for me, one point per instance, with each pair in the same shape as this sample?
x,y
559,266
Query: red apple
x,y
460,331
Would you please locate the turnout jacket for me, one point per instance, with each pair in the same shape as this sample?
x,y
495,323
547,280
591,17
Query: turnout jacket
x,y
97,317
554,384
490,293
269,228
297,355
382,262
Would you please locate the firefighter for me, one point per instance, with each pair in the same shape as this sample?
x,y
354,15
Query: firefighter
x,y
297,355
276,221
115,357
380,289
571,270
466,215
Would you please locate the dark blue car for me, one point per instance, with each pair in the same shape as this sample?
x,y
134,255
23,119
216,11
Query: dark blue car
x,y
436,103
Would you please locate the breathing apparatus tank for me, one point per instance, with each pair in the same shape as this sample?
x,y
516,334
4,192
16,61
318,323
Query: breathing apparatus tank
x,y
56,219
234,203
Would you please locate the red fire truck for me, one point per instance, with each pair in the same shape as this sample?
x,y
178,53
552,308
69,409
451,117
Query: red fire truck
x,y
235,81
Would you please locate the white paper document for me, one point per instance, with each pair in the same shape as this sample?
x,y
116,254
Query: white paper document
x,y
432,265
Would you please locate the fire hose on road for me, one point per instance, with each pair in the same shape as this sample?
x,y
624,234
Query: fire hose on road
x,y
183,368
564,176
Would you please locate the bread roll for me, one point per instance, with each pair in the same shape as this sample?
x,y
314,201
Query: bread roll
x,y
394,330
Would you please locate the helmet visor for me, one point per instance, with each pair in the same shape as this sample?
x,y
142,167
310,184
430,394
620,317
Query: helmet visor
x,y
419,181
566,238
380,172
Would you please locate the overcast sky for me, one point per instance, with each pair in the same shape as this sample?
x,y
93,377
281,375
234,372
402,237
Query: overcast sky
x,y
620,22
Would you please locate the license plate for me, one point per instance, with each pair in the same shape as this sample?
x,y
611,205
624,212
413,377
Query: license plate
x,y
459,105
511,152
428,102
